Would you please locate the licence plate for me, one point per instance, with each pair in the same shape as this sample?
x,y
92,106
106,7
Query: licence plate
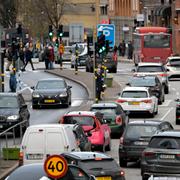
x,y
167,156
104,178
141,143
34,156
157,58
133,103
49,100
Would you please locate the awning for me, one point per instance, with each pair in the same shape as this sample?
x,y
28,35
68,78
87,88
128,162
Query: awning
x,y
157,10
165,11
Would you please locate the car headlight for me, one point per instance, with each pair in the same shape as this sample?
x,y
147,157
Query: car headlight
x,y
64,94
12,118
36,95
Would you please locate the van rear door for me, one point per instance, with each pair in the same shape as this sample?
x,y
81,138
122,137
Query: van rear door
x,y
33,146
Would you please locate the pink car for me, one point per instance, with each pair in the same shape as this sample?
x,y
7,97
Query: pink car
x,y
94,126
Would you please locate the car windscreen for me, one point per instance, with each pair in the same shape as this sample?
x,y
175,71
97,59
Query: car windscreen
x,y
98,165
134,94
82,120
174,62
8,102
137,131
50,85
150,69
106,111
143,82
165,143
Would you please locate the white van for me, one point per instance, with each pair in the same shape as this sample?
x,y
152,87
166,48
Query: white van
x,y
40,141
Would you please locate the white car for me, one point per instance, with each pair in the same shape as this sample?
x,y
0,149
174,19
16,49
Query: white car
x,y
138,99
173,67
154,69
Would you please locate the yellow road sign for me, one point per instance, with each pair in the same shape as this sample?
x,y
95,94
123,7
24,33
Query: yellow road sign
x,y
56,166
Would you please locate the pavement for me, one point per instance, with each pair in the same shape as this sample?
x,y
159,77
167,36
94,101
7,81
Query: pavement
x,y
87,81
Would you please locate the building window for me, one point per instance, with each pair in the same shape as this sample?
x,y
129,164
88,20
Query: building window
x,y
103,10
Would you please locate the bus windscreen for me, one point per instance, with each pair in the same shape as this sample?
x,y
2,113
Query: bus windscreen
x,y
157,41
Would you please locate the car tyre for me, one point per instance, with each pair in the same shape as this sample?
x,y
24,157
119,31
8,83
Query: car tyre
x,y
122,162
145,177
166,90
87,69
72,66
34,106
156,111
177,122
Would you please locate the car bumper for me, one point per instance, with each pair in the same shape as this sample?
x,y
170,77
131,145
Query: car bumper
x,y
138,108
49,102
157,169
131,154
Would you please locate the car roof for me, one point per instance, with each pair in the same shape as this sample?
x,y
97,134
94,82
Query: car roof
x,y
87,113
51,126
149,64
173,57
172,133
52,79
148,122
87,155
135,88
105,104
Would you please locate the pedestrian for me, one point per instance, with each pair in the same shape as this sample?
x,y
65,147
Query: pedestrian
x,y
12,82
115,53
130,50
123,48
21,55
120,48
9,58
51,56
28,57
45,57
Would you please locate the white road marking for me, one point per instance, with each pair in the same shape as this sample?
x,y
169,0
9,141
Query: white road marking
x,y
166,113
173,89
76,103
166,103
177,93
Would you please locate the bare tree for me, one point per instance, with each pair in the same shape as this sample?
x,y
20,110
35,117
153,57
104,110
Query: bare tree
x,y
8,13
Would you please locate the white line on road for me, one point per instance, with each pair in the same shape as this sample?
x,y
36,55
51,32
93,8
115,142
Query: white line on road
x,y
166,113
76,103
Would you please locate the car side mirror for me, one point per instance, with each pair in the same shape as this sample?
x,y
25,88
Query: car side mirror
x,y
119,94
69,87
127,84
32,87
89,134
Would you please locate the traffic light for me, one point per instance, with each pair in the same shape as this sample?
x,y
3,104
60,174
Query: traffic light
x,y
60,31
57,43
50,31
101,43
19,29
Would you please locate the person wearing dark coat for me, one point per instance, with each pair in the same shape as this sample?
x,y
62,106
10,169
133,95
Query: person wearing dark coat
x,y
123,49
12,82
130,50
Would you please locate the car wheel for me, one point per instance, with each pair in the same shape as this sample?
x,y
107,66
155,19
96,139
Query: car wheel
x,y
87,70
166,89
145,177
122,162
72,66
177,122
160,101
114,70
156,111
34,106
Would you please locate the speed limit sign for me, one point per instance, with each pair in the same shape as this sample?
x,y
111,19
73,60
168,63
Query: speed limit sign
x,y
55,166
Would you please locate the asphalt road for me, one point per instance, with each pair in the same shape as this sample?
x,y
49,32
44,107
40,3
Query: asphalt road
x,y
166,110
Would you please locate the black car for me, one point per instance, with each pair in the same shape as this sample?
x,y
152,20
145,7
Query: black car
x,y
177,111
136,137
51,92
162,155
98,164
13,110
152,82
108,62
114,116
36,172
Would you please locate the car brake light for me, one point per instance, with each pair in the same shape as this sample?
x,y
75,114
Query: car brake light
x,y
122,173
118,120
121,101
163,75
148,154
121,140
147,101
98,159
20,158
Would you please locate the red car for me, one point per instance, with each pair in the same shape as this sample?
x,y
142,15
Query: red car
x,y
94,126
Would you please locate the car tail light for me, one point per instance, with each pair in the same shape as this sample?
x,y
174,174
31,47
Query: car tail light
x,y
178,117
118,120
61,121
121,140
121,101
21,158
148,154
163,75
122,173
147,101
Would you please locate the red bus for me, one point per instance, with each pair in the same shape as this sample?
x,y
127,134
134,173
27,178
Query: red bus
x,y
151,44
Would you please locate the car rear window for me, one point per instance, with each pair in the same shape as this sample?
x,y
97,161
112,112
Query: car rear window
x,y
98,165
143,82
150,69
134,94
82,120
175,62
50,85
8,102
106,111
137,131
165,143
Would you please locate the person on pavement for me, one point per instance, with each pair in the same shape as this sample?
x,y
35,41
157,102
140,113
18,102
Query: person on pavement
x,y
9,58
12,82
123,50
51,56
130,50
45,57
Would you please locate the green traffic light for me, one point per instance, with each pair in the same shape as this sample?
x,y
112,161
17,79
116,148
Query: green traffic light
x,y
61,34
50,34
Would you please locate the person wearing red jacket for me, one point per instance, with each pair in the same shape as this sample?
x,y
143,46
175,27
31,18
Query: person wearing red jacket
x,y
51,56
